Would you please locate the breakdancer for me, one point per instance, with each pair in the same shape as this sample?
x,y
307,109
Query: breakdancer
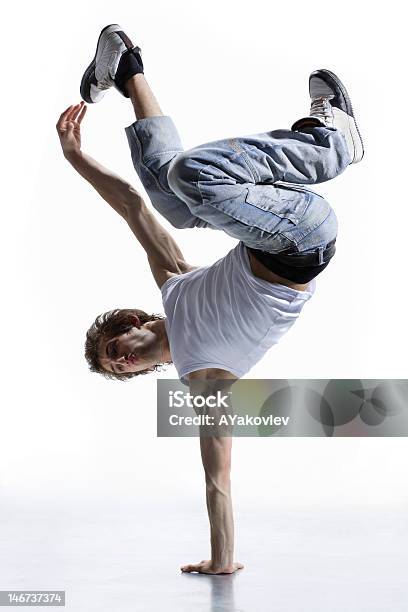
x,y
219,319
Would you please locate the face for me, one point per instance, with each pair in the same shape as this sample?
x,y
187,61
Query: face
x,y
136,350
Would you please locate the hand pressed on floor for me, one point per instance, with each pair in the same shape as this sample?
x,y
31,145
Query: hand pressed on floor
x,y
207,567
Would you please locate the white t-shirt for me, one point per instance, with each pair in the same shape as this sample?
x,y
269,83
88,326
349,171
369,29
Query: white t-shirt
x,y
222,316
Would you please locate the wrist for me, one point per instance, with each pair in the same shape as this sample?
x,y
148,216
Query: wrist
x,y
221,560
222,568
73,155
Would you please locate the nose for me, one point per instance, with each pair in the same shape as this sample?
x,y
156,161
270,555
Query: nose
x,y
123,359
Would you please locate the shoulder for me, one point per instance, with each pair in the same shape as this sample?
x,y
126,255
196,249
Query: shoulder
x,y
211,374
162,276
210,381
183,269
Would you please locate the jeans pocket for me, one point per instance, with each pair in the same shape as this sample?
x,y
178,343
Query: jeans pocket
x,y
284,203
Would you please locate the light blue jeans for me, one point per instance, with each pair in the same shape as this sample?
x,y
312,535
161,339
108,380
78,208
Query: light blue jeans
x,y
249,187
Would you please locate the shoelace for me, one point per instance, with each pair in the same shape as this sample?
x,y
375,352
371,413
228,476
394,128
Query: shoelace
x,y
321,107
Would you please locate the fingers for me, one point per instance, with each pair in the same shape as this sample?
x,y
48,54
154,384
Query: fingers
x,y
193,567
71,114
63,116
82,113
204,568
66,111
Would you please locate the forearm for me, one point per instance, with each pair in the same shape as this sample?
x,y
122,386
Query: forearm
x,y
125,200
216,447
118,193
220,514
163,253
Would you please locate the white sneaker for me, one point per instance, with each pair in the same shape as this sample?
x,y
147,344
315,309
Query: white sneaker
x,y
101,73
331,107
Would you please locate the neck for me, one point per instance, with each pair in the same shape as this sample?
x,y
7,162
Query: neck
x,y
159,328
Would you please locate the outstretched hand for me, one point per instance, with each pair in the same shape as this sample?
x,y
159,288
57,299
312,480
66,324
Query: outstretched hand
x,y
69,128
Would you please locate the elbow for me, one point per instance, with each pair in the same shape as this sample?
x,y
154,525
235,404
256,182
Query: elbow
x,y
132,202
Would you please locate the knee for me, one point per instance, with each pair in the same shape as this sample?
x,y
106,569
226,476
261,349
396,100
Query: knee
x,y
180,173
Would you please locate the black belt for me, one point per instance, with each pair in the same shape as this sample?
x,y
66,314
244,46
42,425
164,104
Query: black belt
x,y
295,266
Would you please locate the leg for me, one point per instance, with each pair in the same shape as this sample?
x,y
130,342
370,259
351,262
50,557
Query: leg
x,y
314,155
153,139
237,184
143,100
241,185
230,185
154,142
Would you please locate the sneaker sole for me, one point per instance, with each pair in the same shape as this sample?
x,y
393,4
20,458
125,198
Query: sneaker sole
x,y
85,87
352,123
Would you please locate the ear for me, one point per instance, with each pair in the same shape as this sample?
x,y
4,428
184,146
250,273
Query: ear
x,y
134,319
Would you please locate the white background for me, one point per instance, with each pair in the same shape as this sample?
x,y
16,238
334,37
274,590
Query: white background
x,y
219,69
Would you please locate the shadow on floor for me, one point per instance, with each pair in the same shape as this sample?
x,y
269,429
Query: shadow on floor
x,y
220,588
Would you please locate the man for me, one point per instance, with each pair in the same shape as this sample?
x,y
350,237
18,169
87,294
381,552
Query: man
x,y
221,319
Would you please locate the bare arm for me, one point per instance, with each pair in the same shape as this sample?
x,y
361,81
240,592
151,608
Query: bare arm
x,y
164,256
216,458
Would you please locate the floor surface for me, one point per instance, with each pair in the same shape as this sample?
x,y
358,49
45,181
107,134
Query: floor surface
x,y
124,560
